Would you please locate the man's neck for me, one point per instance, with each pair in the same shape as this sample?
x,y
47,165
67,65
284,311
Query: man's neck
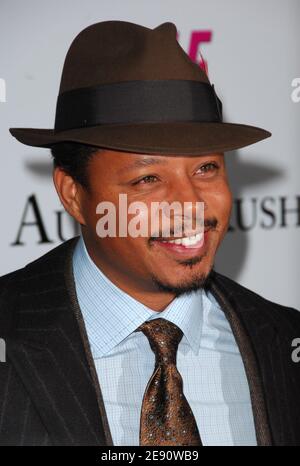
x,y
146,292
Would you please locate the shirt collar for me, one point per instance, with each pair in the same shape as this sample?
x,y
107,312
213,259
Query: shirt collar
x,y
110,314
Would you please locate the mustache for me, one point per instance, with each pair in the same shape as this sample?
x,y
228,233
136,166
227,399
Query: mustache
x,y
210,223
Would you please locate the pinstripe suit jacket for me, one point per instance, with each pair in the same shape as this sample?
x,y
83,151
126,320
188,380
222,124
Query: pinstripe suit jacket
x,y
49,391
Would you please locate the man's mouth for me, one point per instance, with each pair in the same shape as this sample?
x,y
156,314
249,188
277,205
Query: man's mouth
x,y
185,245
187,241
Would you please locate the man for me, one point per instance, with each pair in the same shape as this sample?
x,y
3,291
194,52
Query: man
x,y
137,340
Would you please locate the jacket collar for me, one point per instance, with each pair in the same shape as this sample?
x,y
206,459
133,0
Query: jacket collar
x,y
248,326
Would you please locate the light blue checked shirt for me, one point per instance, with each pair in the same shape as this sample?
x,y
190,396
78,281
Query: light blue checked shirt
x,y
208,359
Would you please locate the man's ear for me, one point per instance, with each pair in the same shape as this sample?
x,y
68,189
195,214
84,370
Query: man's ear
x,y
69,193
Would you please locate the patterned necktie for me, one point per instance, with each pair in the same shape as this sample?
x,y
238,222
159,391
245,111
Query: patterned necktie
x,y
166,416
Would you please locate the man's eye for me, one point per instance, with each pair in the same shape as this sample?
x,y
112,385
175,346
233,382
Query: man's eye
x,y
146,179
211,166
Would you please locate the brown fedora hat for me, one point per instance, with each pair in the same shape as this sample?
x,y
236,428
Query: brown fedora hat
x,y
130,88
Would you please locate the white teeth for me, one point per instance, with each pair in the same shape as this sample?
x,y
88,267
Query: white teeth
x,y
188,241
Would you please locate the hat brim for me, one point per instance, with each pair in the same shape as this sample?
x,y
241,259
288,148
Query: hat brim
x,y
189,138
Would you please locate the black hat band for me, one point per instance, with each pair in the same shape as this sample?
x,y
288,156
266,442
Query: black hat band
x,y
157,101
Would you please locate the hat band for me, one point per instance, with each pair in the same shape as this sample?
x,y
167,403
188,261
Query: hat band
x,y
138,102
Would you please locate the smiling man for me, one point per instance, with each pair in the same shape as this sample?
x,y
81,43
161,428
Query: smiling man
x,y
124,339
142,266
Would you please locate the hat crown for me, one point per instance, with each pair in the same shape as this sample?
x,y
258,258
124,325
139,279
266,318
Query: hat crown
x,y
118,51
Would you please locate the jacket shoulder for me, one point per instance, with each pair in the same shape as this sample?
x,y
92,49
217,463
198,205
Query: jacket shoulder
x,y
9,290
12,284
236,291
9,278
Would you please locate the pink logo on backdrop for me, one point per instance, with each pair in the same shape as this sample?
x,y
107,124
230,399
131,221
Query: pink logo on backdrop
x,y
197,38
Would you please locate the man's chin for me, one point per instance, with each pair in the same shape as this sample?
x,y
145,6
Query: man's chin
x,y
185,285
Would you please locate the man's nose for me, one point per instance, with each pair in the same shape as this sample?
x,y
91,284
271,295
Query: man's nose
x,y
191,201
183,190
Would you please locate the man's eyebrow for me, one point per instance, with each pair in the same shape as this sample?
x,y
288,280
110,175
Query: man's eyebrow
x,y
143,162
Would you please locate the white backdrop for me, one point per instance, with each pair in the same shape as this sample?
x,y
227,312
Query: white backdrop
x,y
253,57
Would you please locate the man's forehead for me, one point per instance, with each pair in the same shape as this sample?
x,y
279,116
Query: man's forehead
x,y
130,161
145,161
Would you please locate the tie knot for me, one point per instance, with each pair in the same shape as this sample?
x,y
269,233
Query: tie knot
x,y
164,337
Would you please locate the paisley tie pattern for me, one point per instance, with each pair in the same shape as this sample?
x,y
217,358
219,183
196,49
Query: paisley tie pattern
x,y
166,416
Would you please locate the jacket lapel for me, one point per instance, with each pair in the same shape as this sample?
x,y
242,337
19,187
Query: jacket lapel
x,y
50,351
252,331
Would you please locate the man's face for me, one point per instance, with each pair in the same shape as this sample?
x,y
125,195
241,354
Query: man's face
x,y
142,262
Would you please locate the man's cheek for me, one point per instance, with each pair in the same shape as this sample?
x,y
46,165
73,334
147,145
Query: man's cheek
x,y
222,205
139,222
